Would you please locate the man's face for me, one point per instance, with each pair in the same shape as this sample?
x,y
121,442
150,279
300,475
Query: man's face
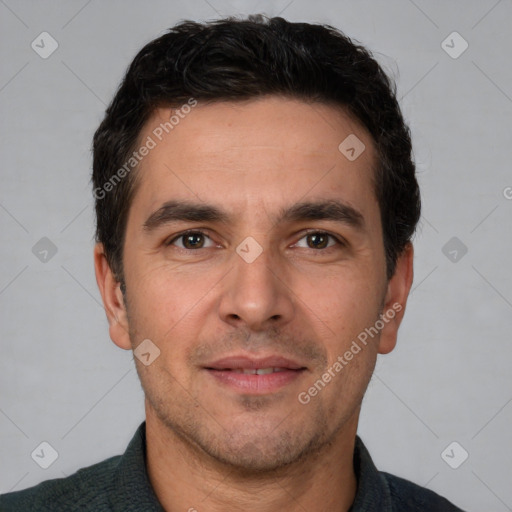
x,y
258,282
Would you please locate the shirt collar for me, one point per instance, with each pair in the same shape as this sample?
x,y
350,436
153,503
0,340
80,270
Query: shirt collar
x,y
134,491
372,489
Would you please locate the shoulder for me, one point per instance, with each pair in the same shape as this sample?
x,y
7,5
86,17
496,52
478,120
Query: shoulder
x,y
406,496
87,489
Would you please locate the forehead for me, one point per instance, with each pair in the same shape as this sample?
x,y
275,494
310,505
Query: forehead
x,y
254,154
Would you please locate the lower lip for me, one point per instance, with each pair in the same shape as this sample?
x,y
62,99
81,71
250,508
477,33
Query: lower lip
x,y
253,383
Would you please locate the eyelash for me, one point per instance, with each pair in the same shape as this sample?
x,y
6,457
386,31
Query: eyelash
x,y
339,242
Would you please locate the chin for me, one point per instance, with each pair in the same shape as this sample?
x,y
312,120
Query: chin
x,y
257,449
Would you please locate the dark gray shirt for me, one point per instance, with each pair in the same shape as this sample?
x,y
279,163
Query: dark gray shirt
x,y
121,484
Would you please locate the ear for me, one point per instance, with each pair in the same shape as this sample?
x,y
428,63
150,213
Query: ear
x,y
396,298
113,299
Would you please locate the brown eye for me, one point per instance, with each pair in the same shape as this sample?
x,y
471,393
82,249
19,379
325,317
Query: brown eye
x,y
318,240
191,240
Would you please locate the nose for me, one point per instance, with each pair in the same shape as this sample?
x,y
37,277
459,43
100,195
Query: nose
x,y
256,294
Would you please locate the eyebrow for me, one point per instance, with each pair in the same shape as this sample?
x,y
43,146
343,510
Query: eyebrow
x,y
333,210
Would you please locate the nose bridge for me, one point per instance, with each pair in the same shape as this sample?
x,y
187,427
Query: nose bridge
x,y
253,265
254,292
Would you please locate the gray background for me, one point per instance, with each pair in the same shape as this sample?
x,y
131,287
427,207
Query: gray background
x,y
61,378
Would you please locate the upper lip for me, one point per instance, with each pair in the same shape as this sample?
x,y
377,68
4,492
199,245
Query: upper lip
x,y
245,362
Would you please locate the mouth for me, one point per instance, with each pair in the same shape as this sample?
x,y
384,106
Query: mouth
x,y
255,376
255,371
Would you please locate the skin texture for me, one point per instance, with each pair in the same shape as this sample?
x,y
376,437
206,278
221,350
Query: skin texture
x,y
209,446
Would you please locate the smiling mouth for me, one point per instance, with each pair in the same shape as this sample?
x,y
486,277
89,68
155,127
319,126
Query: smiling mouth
x,y
252,371
255,380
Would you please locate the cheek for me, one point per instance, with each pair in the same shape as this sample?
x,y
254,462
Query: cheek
x,y
343,300
164,288
168,307
152,308
343,309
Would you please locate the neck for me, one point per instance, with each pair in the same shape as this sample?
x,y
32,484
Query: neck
x,y
184,477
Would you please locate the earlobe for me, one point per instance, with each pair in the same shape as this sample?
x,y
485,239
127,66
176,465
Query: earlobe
x,y
113,300
396,298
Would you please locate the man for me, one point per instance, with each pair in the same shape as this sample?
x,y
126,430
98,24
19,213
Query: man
x,y
255,200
